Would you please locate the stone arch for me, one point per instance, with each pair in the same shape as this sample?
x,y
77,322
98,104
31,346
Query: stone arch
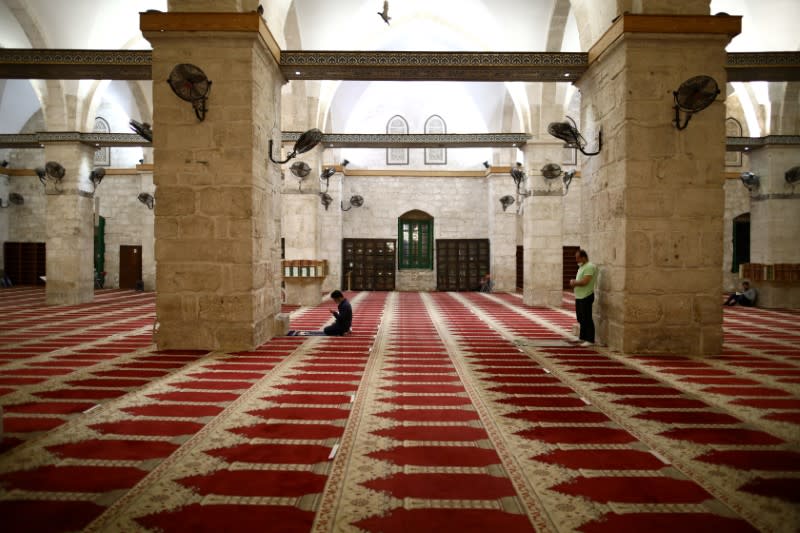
x,y
50,92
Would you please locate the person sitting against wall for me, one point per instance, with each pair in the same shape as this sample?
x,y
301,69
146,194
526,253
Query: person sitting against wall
x,y
747,296
486,283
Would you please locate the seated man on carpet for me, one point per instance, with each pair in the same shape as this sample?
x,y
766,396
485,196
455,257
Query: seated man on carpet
x,y
344,315
344,319
747,297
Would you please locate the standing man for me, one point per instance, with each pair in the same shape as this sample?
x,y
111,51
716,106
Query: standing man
x,y
344,316
584,296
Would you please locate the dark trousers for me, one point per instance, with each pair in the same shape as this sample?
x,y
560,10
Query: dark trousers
x,y
740,299
334,329
583,311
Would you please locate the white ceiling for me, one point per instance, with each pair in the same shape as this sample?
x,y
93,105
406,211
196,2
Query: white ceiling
x,y
444,25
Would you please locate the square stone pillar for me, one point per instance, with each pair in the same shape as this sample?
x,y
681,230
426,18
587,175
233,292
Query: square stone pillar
x,y
217,211
300,226
70,226
4,213
148,234
331,228
775,223
652,200
543,228
502,233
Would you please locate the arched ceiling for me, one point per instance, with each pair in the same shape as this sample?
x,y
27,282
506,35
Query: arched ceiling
x,y
439,25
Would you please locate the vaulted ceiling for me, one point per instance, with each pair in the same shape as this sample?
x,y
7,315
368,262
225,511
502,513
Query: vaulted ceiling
x,y
364,107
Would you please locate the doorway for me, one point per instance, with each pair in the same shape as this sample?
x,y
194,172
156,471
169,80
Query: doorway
x,y
570,266
741,242
130,266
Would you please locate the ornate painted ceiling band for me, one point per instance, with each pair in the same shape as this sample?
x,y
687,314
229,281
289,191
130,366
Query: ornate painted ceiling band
x,y
743,144
763,66
426,66
420,140
38,140
358,140
64,64
34,63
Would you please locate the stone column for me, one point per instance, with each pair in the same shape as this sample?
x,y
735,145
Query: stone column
x,y
775,223
217,211
148,233
652,200
331,228
4,213
70,226
502,232
542,228
300,225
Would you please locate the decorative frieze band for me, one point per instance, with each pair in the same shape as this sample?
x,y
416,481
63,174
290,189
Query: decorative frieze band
x,y
740,144
416,140
358,140
38,140
438,66
64,64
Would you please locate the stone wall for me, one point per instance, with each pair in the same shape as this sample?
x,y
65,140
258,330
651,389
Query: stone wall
x,y
458,206
737,202
502,234
415,280
27,223
775,222
125,219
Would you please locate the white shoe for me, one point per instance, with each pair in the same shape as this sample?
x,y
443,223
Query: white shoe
x,y
587,343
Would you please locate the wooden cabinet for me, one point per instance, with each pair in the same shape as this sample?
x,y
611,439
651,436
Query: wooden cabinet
x,y
461,263
368,264
25,262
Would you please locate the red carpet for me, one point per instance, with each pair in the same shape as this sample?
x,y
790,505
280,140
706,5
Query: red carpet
x,y
442,412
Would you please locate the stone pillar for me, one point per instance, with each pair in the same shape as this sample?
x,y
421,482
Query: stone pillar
x,y
542,228
217,211
148,233
331,228
300,226
70,226
4,213
775,223
502,233
652,200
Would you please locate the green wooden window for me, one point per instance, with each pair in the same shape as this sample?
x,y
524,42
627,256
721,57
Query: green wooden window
x,y
415,240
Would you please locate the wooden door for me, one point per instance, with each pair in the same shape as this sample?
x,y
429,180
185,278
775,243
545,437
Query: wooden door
x,y
368,264
570,266
25,262
520,268
130,266
461,263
